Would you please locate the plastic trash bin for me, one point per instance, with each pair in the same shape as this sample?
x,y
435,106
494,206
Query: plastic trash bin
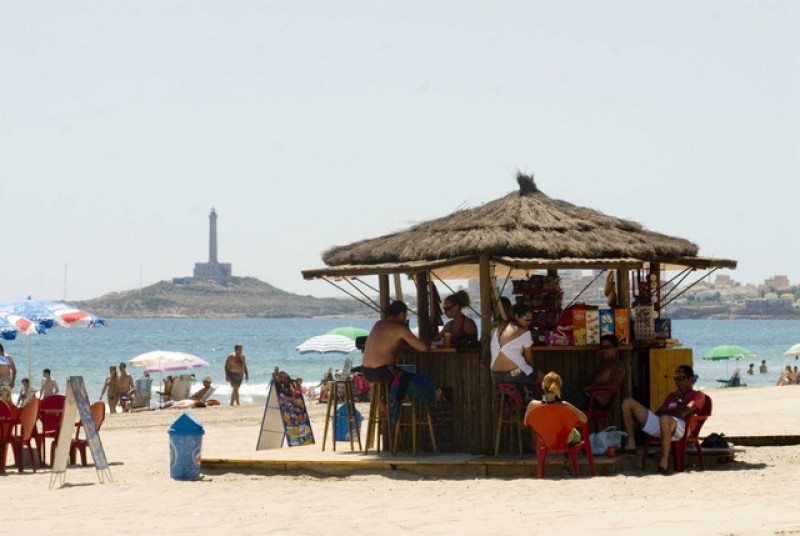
x,y
185,442
342,429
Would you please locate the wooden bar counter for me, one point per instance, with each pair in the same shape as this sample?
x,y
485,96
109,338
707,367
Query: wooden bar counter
x,y
465,420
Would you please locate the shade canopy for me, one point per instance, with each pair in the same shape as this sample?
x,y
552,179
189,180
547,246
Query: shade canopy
x,y
523,224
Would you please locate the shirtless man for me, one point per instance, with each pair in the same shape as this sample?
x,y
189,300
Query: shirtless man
x,y
49,385
126,389
235,370
383,345
8,375
608,375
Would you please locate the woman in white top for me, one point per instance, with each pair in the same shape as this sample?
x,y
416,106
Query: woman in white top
x,y
512,349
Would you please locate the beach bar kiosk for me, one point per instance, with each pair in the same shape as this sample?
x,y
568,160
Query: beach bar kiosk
x,y
522,241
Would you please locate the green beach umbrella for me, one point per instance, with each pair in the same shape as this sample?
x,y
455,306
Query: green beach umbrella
x,y
727,351
349,332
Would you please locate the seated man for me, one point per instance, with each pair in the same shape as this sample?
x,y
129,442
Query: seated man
x,y
668,422
204,391
608,375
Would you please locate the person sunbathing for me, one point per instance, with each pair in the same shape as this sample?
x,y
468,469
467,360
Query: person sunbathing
x,y
204,391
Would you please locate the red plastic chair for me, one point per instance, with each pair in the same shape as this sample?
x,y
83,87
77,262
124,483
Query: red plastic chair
x,y
692,436
552,425
6,426
79,445
27,419
50,411
596,411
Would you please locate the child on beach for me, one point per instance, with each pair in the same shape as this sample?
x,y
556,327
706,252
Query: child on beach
x,y
26,394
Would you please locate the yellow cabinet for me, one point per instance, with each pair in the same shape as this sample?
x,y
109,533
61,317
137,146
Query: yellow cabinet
x,y
662,368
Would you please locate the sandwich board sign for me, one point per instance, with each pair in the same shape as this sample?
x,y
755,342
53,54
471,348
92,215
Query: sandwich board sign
x,y
285,415
76,403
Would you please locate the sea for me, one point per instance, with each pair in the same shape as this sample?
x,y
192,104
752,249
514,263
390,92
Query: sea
x,y
270,343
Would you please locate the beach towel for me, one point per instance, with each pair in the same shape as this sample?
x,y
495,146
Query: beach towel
x,y
416,386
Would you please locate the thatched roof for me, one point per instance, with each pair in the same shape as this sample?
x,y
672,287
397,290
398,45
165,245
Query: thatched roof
x,y
524,223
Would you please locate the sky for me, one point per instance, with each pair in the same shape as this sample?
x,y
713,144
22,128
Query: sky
x,y
310,124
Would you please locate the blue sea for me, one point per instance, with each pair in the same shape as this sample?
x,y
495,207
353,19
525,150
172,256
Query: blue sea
x,y
270,343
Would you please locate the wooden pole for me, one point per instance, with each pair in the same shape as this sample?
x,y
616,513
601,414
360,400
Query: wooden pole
x,y
486,274
423,306
383,288
624,302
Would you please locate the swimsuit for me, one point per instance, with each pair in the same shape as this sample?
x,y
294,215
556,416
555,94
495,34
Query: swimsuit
x,y
5,388
235,378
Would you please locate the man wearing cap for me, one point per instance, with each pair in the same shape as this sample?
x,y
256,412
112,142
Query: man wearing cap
x,y
669,422
203,390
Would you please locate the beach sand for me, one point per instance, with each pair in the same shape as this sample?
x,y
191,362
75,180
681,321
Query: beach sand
x,y
753,495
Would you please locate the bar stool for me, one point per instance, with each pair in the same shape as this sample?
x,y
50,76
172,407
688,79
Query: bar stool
x,y
418,413
350,405
509,412
378,417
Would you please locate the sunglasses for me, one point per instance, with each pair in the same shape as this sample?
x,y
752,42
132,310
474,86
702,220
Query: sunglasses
x,y
679,378
450,307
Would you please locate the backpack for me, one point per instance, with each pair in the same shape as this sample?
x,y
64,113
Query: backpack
x,y
715,441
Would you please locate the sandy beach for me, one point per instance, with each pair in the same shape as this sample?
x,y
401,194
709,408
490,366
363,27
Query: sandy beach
x,y
748,496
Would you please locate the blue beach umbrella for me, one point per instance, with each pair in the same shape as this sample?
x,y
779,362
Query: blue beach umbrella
x,y
44,315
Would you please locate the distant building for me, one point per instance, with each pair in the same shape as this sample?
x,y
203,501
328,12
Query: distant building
x,y
213,269
777,282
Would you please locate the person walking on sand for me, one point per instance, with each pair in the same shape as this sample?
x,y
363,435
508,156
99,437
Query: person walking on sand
x,y
8,375
49,385
126,388
235,371
112,388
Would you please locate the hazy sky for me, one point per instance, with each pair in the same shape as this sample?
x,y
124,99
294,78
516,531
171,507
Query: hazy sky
x,y
309,124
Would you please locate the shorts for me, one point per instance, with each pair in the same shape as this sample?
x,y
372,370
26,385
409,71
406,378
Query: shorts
x,y
514,376
382,374
5,388
235,378
652,426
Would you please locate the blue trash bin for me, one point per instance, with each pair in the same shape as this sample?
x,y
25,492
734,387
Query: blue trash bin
x,y
185,442
342,428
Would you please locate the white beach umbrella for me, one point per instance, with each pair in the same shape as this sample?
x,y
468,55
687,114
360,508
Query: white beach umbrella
x,y
324,344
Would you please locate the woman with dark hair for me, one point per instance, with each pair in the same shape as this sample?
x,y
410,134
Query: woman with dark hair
x,y
512,349
460,325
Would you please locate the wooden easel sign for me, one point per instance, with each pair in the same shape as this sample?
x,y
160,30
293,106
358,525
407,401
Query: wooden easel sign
x,y
288,417
77,403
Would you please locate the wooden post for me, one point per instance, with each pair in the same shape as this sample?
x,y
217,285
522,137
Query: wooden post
x,y
383,287
423,306
398,288
486,274
624,302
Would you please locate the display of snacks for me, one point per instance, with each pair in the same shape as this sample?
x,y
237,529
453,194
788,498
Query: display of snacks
x,y
542,294
592,326
606,322
622,326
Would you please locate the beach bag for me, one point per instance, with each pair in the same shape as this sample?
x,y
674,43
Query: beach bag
x,y
609,437
715,441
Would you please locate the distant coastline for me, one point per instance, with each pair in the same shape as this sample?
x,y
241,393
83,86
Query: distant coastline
x,y
237,297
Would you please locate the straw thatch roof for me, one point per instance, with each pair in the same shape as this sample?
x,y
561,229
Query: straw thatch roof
x,y
524,223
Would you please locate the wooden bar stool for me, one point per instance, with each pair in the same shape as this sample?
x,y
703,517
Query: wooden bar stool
x,y
418,413
509,412
350,405
378,418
